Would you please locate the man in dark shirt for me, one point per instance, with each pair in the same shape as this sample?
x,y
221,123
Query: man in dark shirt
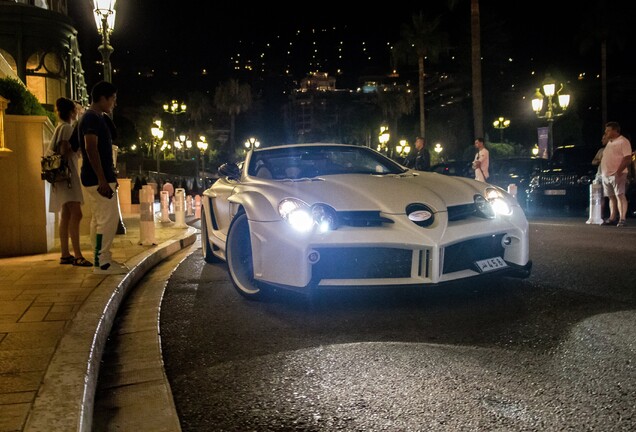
x,y
98,176
420,159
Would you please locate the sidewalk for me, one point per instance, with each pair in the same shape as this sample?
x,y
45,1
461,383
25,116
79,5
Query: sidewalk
x,y
55,321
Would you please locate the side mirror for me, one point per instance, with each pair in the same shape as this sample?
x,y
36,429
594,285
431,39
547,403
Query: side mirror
x,y
230,170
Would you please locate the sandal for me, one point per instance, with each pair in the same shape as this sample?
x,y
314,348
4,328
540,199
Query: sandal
x,y
82,262
67,260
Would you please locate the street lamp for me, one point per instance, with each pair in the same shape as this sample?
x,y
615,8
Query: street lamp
x,y
157,134
403,148
535,150
438,149
501,124
552,109
174,108
252,143
383,138
104,11
203,146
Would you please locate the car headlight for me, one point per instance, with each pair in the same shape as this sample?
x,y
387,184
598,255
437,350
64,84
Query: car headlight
x,y
495,203
303,217
483,207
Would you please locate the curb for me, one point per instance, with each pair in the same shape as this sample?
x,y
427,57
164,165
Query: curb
x,y
66,396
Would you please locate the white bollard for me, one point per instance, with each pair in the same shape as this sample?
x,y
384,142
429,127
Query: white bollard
x,y
512,189
197,206
165,206
147,216
179,208
596,195
189,206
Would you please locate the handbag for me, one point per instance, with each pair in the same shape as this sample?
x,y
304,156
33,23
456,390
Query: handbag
x,y
55,167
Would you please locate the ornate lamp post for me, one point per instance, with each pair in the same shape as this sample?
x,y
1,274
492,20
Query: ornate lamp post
x,y
104,11
157,134
174,108
438,149
403,149
501,124
202,145
383,138
252,143
552,109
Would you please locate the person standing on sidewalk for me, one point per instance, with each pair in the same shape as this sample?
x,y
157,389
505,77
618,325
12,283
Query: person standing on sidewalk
x,y
420,159
68,200
481,162
616,157
99,178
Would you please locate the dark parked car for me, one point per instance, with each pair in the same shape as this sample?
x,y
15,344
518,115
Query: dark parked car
x,y
565,182
516,171
460,168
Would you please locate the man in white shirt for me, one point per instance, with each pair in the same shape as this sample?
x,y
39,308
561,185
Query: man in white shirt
x,y
481,161
616,157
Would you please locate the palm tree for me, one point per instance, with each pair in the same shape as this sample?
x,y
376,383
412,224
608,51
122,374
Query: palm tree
x,y
475,36
475,49
395,101
232,98
199,108
422,40
604,29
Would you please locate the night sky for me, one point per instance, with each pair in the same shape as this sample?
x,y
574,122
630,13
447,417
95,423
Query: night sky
x,y
518,39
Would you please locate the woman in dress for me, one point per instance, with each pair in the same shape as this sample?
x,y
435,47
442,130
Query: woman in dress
x,y
68,199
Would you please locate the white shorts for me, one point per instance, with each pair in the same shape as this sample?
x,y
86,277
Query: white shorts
x,y
614,185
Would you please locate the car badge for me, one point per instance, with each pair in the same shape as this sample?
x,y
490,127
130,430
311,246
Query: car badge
x,y
420,215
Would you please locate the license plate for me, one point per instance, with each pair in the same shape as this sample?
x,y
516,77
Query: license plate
x,y
490,264
555,192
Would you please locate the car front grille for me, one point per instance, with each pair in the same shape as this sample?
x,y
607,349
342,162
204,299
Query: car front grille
x,y
361,219
368,263
462,255
460,212
555,180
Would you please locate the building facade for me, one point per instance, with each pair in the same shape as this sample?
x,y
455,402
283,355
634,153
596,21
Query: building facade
x,y
38,46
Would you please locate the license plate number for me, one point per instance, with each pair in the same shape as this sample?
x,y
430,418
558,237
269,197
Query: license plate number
x,y
555,192
490,264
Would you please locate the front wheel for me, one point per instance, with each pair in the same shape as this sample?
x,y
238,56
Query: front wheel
x,y
239,258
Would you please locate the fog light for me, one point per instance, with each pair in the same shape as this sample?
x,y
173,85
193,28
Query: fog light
x,y
506,241
313,257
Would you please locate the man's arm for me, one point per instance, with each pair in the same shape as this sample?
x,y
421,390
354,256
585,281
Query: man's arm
x,y
90,141
624,163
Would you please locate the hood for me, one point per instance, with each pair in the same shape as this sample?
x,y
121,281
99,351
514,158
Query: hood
x,y
387,193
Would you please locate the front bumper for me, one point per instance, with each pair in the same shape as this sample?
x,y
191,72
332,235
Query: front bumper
x,y
395,254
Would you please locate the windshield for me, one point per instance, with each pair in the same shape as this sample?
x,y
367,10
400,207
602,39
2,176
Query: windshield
x,y
312,160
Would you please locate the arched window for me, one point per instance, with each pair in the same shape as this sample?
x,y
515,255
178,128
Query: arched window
x,y
45,76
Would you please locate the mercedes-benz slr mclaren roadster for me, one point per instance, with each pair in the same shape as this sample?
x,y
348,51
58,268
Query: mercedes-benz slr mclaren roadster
x,y
309,216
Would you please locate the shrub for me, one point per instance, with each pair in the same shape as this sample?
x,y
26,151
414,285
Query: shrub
x,y
21,100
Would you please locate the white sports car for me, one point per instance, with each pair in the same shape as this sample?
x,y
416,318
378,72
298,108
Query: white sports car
x,y
307,216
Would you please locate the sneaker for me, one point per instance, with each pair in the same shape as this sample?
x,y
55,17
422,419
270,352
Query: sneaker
x,y
112,267
621,223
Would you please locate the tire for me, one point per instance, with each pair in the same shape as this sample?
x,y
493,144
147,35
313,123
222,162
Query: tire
x,y
238,254
206,247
